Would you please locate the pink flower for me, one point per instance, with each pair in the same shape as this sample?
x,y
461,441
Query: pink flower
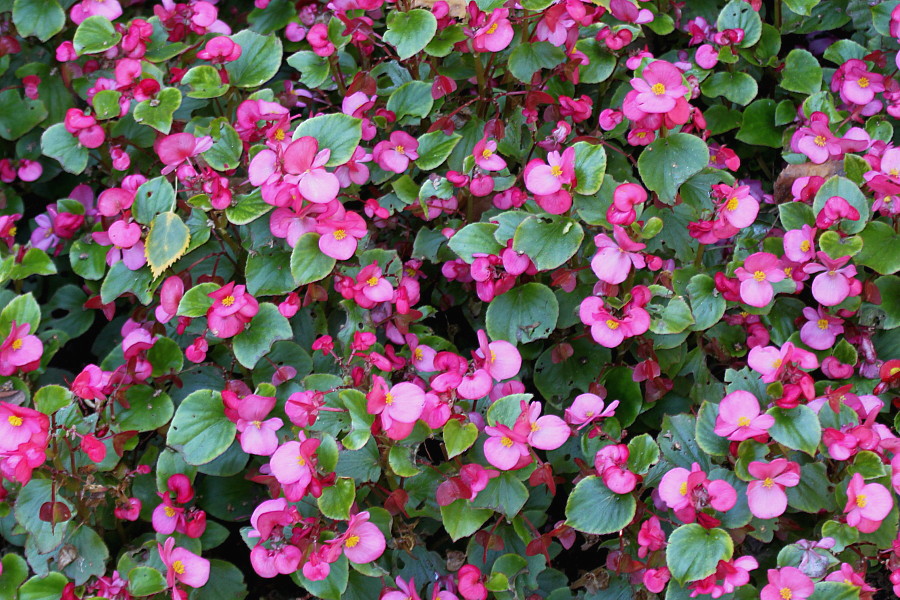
x,y
614,259
486,157
867,504
800,244
231,310
183,566
258,436
494,35
293,462
739,417
611,463
20,351
688,492
403,402
787,583
819,144
407,591
341,234
283,560
471,583
548,432
178,148
856,83
395,154
651,537
545,179
111,9
765,495
820,329
587,408
738,207
835,281
363,542
501,360
771,362
658,88
506,448
760,270
169,297
835,209
220,50
20,425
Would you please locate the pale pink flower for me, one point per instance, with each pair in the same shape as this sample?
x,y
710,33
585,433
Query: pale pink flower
x,y
396,153
800,244
821,329
765,494
739,417
759,272
787,583
867,504
614,259
658,88
545,179
183,566
587,408
486,157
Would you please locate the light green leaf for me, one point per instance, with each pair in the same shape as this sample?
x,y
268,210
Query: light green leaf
x,y
339,133
259,61
95,34
167,241
409,32
308,263
694,552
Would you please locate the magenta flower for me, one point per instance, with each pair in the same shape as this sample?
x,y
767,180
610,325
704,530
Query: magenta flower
x,y
587,408
19,425
614,259
787,583
494,35
659,87
651,537
505,448
258,434
292,463
407,591
363,542
759,272
688,492
394,154
611,463
739,417
340,235
305,165
819,144
403,402
765,494
269,562
111,9
800,244
835,280
545,179
183,566
20,350
821,329
548,432
771,362
867,504
231,310
178,148
500,359
486,157
857,85
170,295
738,207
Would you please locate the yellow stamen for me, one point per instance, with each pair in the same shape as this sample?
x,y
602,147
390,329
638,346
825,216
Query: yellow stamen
x,y
767,482
170,512
683,489
863,82
658,89
491,29
861,501
372,281
759,276
820,140
400,149
612,324
732,204
279,134
227,300
556,171
351,541
340,234
786,593
178,567
805,245
744,422
486,153
17,344
389,398
776,363
822,324
14,420
506,442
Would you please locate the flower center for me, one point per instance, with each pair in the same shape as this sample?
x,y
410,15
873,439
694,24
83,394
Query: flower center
x,y
776,363
178,567
301,461
822,324
805,245
400,149
863,82
556,171
14,420
340,234
744,422
861,501
732,204
892,173
486,153
658,89
492,29
506,442
352,541
227,300
372,281
767,482
170,512
642,134
683,488
17,344
418,354
788,271
257,424
612,324
786,593
389,398
279,134
535,427
759,276
820,141
589,413
12,230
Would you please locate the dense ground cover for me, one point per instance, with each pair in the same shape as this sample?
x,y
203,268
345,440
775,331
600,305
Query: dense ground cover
x,y
432,300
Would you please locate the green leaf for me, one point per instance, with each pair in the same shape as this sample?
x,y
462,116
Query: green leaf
x,y
707,439
149,409
843,187
145,581
459,437
602,64
409,32
738,87
801,7
227,147
504,494
797,428
269,273
890,300
91,555
412,98
152,198
259,61
802,72
643,452
200,430
167,241
707,304
738,14
836,246
196,301
620,385
18,116
475,238
58,143
835,590
339,133
548,240
313,68
158,112
336,500
247,208
21,309
49,587
266,328
51,398
881,248
461,519
794,215
523,314
204,82
13,573
121,280
44,536
40,18
668,162
435,147
594,508
106,104
674,318
446,38
758,127
308,263
527,59
694,552
590,167
95,34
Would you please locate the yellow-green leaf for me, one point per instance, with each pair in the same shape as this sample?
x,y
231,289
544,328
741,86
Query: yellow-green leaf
x,y
167,241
